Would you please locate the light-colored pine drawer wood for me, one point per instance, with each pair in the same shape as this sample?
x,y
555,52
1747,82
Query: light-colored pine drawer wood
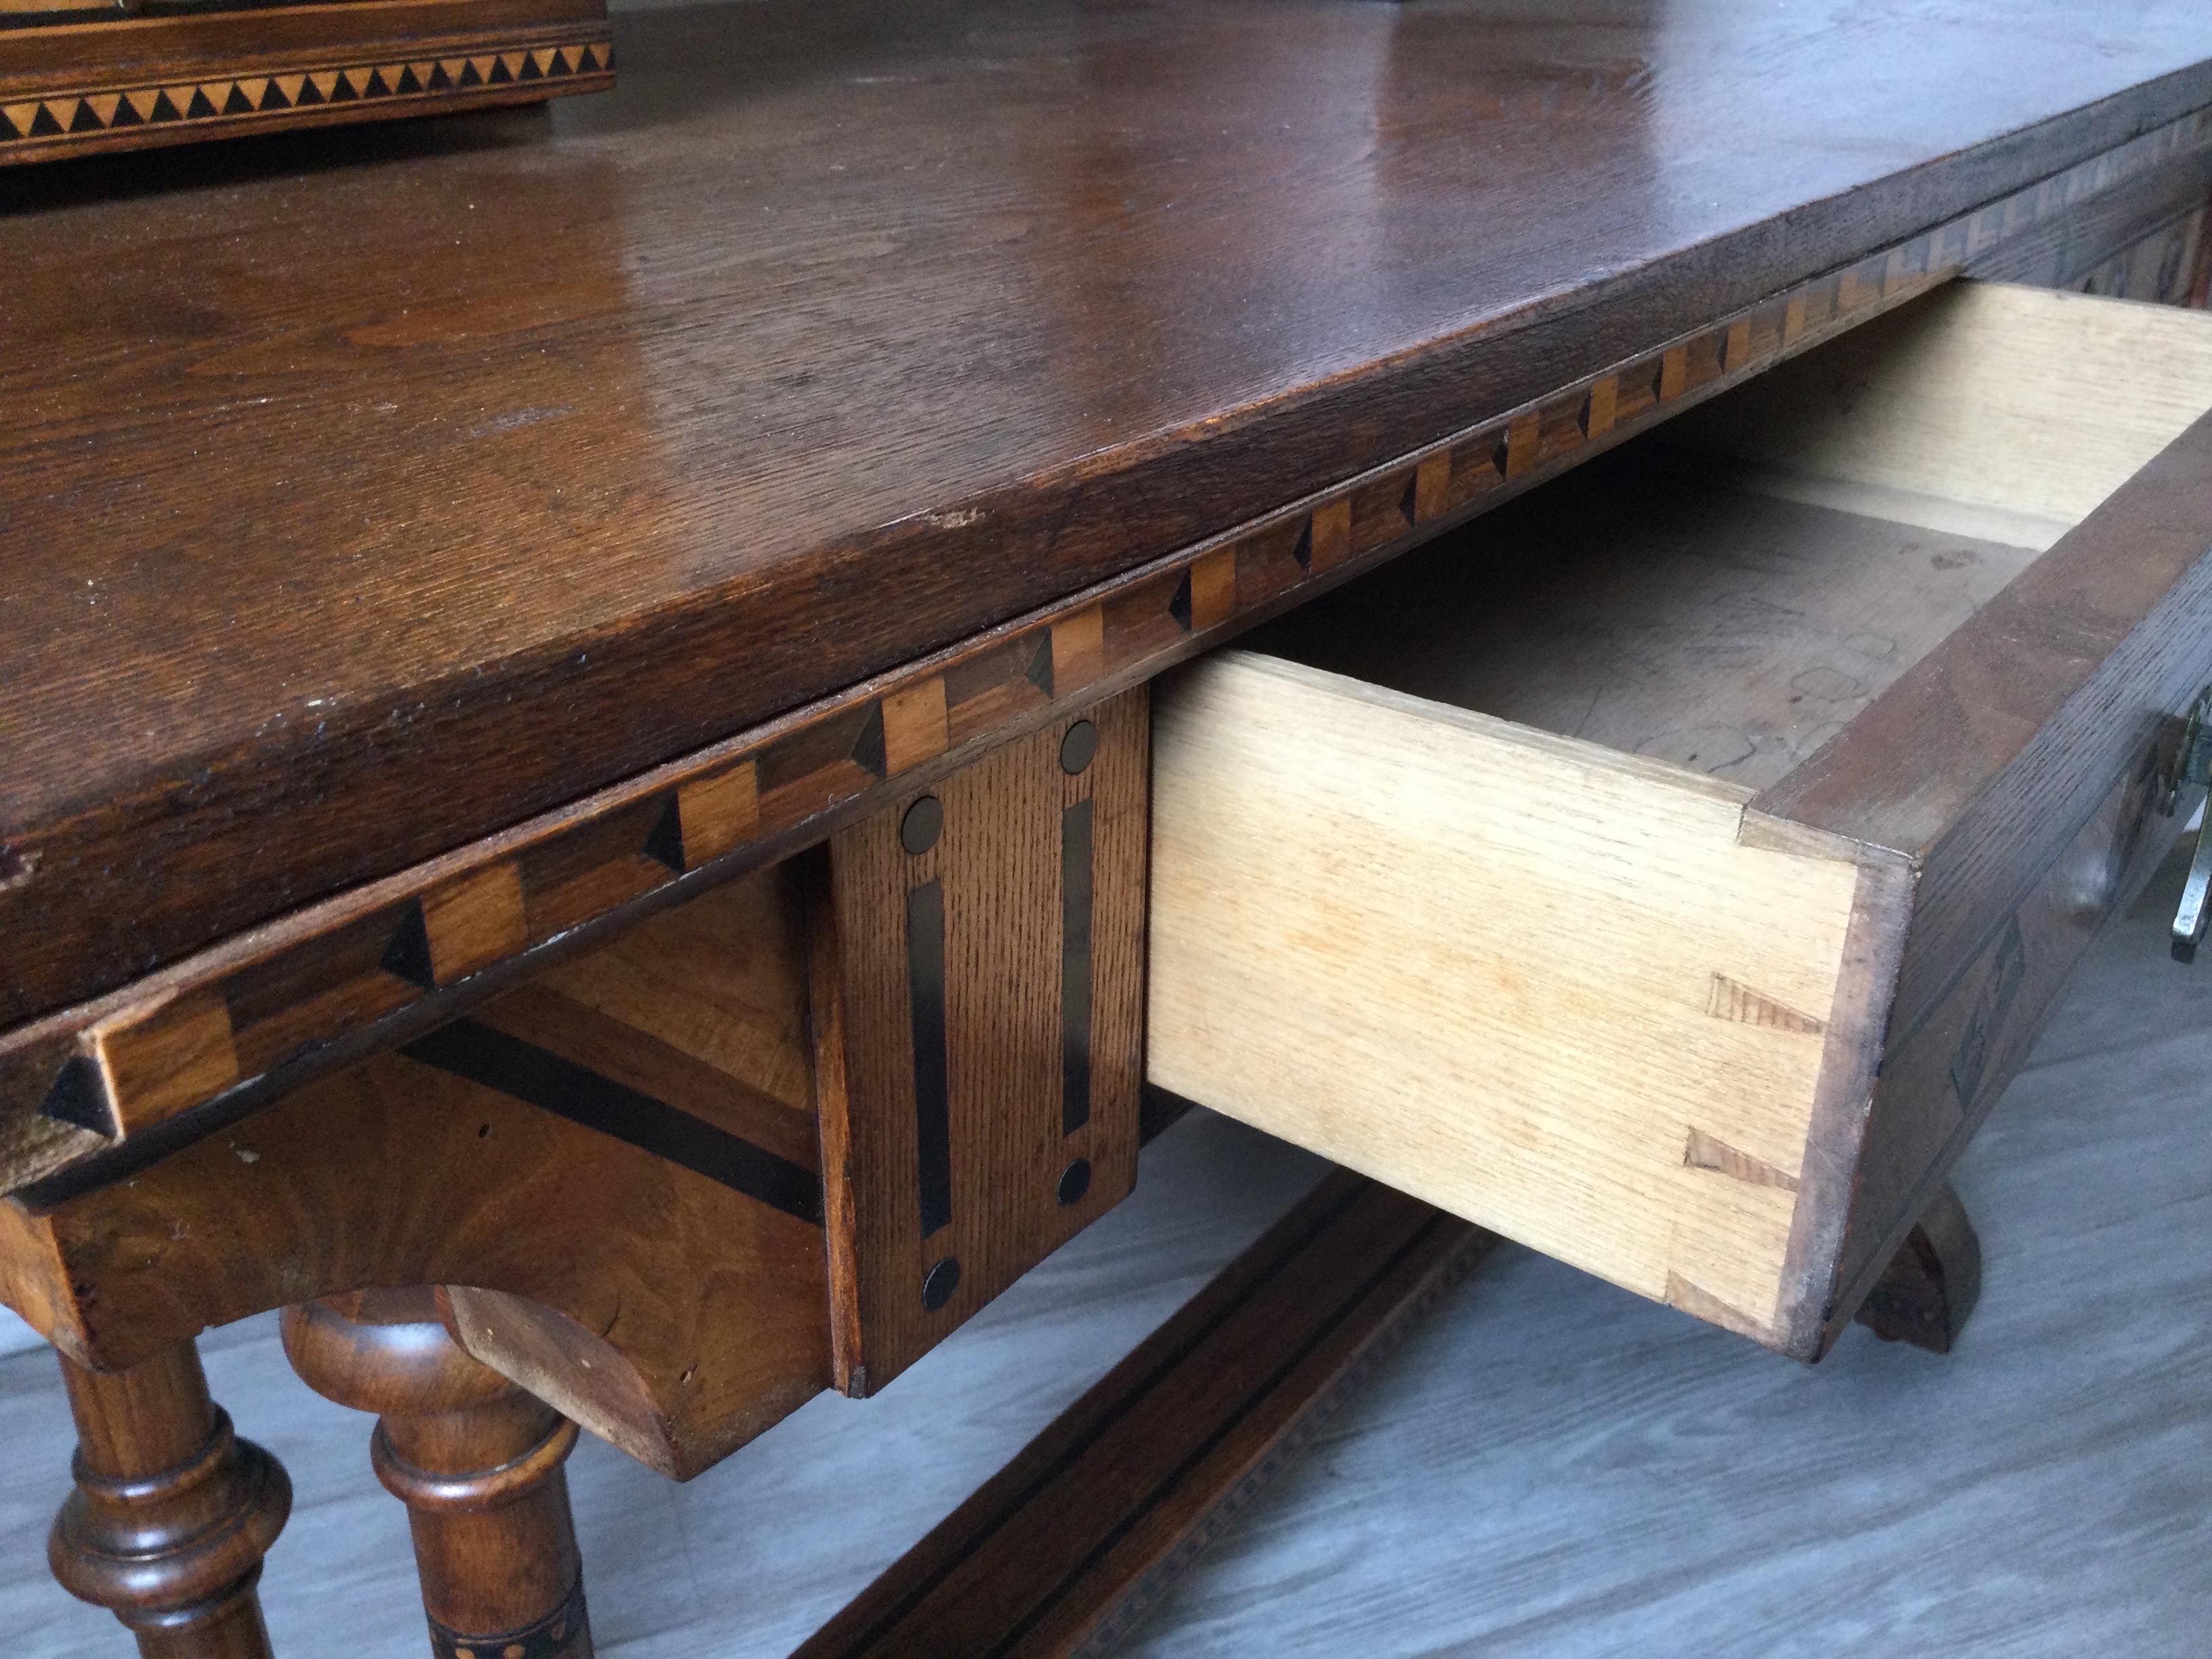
x,y
1668,871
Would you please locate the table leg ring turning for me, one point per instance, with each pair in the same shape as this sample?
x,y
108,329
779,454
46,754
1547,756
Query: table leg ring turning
x,y
173,1512
476,1460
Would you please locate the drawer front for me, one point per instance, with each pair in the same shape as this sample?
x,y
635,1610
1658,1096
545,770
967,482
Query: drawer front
x,y
1713,1038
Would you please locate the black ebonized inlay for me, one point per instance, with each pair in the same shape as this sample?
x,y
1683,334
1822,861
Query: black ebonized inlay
x,y
77,1097
664,846
1075,838
1074,1181
1077,748
923,822
933,1089
407,954
944,1279
468,1049
544,1639
1040,670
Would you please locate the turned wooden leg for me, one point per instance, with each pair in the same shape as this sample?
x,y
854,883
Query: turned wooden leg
x,y
1932,1283
476,1460
171,1512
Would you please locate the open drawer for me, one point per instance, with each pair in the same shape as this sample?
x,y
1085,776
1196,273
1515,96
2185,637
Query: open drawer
x,y
1669,869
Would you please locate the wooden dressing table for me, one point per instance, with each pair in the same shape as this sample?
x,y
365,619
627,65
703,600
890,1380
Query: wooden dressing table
x,y
594,803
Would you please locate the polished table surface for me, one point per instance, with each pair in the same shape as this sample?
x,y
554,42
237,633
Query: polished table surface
x,y
359,499
429,559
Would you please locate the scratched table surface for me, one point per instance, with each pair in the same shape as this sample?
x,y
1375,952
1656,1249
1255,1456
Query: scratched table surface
x,y
364,493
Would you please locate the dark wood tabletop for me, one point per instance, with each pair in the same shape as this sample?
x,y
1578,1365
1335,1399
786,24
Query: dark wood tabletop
x,y
363,494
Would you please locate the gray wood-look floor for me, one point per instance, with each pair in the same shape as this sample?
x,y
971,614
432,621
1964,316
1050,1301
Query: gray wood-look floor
x,y
1548,1468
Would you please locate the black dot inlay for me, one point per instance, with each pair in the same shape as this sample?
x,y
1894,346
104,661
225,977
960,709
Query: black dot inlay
x,y
1078,747
923,822
1075,1181
944,1280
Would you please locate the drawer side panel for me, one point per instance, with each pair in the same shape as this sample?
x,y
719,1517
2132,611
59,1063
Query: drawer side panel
x,y
1535,982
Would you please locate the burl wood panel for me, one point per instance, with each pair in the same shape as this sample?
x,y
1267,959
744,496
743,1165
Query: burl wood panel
x,y
615,1167
68,87
1064,1548
832,340
979,1027
237,1023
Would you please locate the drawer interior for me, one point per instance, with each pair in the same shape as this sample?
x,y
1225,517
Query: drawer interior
x,y
1459,876
1726,594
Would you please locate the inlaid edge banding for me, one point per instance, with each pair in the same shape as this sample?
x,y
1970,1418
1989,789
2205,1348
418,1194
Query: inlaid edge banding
x,y
232,102
741,802
550,1638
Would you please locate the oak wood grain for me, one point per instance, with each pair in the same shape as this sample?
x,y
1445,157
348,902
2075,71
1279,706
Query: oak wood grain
x,y
529,526
1464,955
171,1512
979,1030
1065,1547
1531,979
550,1162
476,1460
315,991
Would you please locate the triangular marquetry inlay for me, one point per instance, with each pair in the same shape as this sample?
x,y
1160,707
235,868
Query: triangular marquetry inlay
x,y
86,118
201,105
407,954
664,845
46,125
868,751
77,1097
